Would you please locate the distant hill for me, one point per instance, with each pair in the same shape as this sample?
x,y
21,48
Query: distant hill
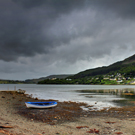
x,y
126,67
62,76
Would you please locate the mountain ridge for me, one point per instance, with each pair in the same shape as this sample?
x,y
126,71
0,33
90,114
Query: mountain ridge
x,y
117,66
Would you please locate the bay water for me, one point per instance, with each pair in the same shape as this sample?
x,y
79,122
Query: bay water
x,y
98,96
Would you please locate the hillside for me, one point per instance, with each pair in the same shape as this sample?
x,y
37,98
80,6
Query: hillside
x,y
125,67
62,76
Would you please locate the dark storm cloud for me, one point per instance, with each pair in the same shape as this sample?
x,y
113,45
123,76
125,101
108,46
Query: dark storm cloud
x,y
123,8
57,6
27,25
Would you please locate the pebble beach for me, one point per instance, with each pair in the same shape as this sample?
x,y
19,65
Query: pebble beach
x,y
67,118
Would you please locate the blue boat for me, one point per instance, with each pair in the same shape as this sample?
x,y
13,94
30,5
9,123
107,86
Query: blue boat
x,y
48,104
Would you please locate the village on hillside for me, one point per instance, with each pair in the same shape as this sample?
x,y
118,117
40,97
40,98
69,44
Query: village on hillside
x,y
117,79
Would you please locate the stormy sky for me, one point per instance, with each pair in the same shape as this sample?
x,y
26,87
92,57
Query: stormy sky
x,y
44,37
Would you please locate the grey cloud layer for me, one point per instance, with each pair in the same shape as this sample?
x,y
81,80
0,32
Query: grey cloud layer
x,y
28,27
25,26
57,33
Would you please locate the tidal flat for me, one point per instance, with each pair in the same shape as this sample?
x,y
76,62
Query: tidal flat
x,y
66,118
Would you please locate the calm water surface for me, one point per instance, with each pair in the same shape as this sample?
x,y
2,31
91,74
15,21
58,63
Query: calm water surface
x,y
98,95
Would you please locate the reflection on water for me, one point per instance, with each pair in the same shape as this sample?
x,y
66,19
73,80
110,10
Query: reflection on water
x,y
118,97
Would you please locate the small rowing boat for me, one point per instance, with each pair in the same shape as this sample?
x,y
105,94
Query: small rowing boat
x,y
48,104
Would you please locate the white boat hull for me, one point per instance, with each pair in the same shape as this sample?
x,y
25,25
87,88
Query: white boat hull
x,y
40,104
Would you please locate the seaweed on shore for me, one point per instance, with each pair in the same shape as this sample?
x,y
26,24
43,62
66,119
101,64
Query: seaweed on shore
x,y
64,111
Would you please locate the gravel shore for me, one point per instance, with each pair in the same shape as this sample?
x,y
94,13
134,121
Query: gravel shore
x,y
66,119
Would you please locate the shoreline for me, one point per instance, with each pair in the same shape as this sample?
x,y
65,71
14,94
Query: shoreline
x,y
65,119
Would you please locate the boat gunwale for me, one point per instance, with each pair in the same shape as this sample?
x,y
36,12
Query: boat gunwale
x,y
42,104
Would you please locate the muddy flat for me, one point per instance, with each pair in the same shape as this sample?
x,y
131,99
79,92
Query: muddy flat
x,y
67,118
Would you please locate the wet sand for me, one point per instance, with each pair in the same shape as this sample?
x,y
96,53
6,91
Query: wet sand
x,y
66,119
